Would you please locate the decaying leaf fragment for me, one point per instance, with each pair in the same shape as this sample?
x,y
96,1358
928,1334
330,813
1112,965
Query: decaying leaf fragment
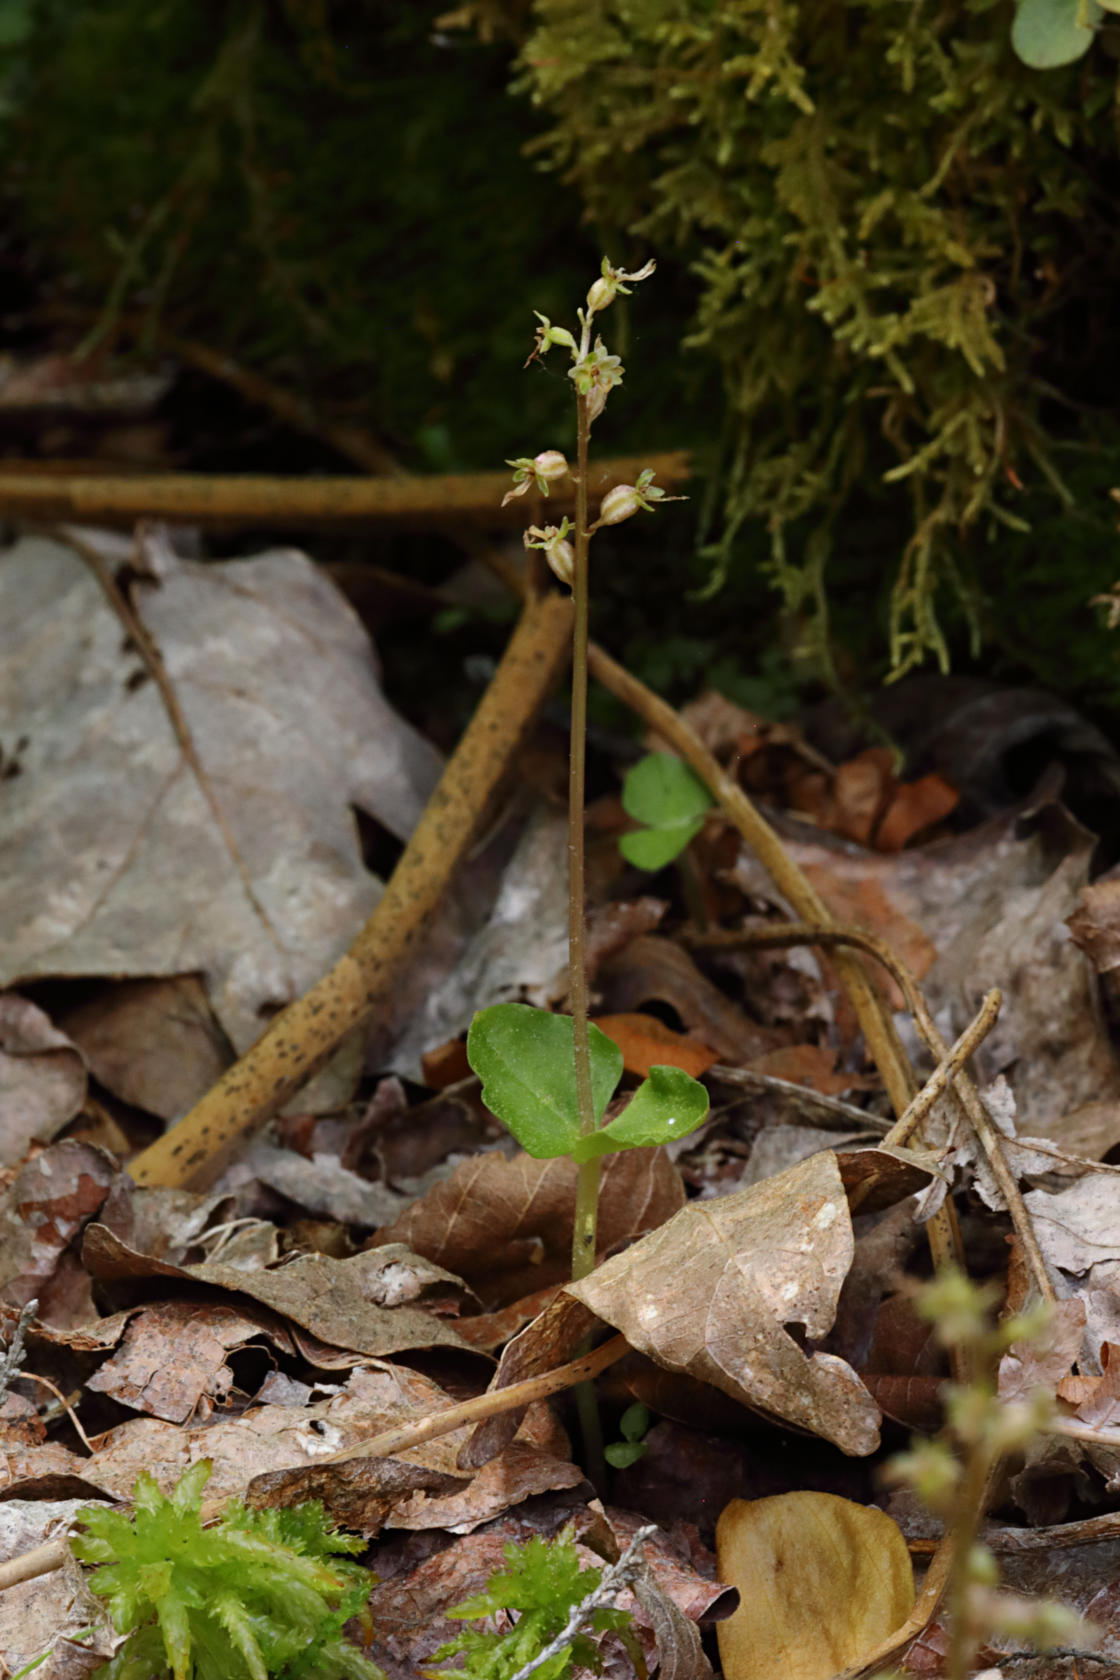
x,y
821,1579
712,1291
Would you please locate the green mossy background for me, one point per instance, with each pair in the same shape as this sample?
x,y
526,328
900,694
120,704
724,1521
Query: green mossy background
x,y
884,316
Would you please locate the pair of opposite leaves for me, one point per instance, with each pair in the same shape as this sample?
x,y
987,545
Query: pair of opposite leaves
x,y
525,1060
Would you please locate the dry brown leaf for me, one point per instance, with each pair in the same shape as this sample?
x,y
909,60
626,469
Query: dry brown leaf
x,y
653,969
712,1292
1095,924
172,1360
154,1043
914,806
646,1042
861,790
813,1065
45,1614
347,1303
986,904
46,1205
505,1226
551,1340
823,1580
42,1078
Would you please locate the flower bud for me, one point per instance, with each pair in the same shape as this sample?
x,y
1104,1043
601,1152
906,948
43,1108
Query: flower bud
x,y
558,551
561,556
618,504
548,466
600,295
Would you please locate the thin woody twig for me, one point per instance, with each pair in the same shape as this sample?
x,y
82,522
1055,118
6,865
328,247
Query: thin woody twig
x,y
491,1404
946,1070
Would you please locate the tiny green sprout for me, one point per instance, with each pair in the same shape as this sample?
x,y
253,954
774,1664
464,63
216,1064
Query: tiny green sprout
x,y
633,1424
257,1595
525,1060
543,1583
663,794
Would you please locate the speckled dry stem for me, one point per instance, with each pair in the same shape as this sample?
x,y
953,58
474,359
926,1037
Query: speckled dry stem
x,y
302,1038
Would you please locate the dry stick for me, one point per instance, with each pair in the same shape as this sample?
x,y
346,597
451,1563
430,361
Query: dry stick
x,y
962,1090
433,501
149,652
946,1070
491,1404
41,1560
302,1038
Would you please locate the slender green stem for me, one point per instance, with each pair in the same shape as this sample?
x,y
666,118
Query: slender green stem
x,y
587,1190
966,1525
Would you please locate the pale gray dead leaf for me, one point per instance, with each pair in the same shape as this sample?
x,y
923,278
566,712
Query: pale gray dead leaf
x,y
42,1078
323,1186
778,1147
1078,1228
712,1291
111,861
520,955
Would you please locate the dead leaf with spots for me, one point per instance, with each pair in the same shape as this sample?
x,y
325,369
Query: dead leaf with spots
x,y
172,1359
712,1292
505,1226
364,1303
47,1204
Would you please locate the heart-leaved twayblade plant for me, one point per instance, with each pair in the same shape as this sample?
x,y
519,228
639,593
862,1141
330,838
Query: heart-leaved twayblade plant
x,y
664,795
525,1060
547,1077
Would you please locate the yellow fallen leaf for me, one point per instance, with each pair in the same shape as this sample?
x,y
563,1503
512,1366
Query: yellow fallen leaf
x,y
822,1580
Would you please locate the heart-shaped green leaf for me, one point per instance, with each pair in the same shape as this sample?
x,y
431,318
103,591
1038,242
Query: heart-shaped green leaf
x,y
1049,33
526,1062
662,792
667,1105
653,848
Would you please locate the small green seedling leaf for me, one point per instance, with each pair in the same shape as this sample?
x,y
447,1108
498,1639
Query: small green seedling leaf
x,y
667,1105
526,1062
664,794
1050,33
633,1423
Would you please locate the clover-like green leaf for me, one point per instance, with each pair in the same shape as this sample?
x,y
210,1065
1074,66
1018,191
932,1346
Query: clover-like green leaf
x,y
526,1062
1050,33
667,1105
664,794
